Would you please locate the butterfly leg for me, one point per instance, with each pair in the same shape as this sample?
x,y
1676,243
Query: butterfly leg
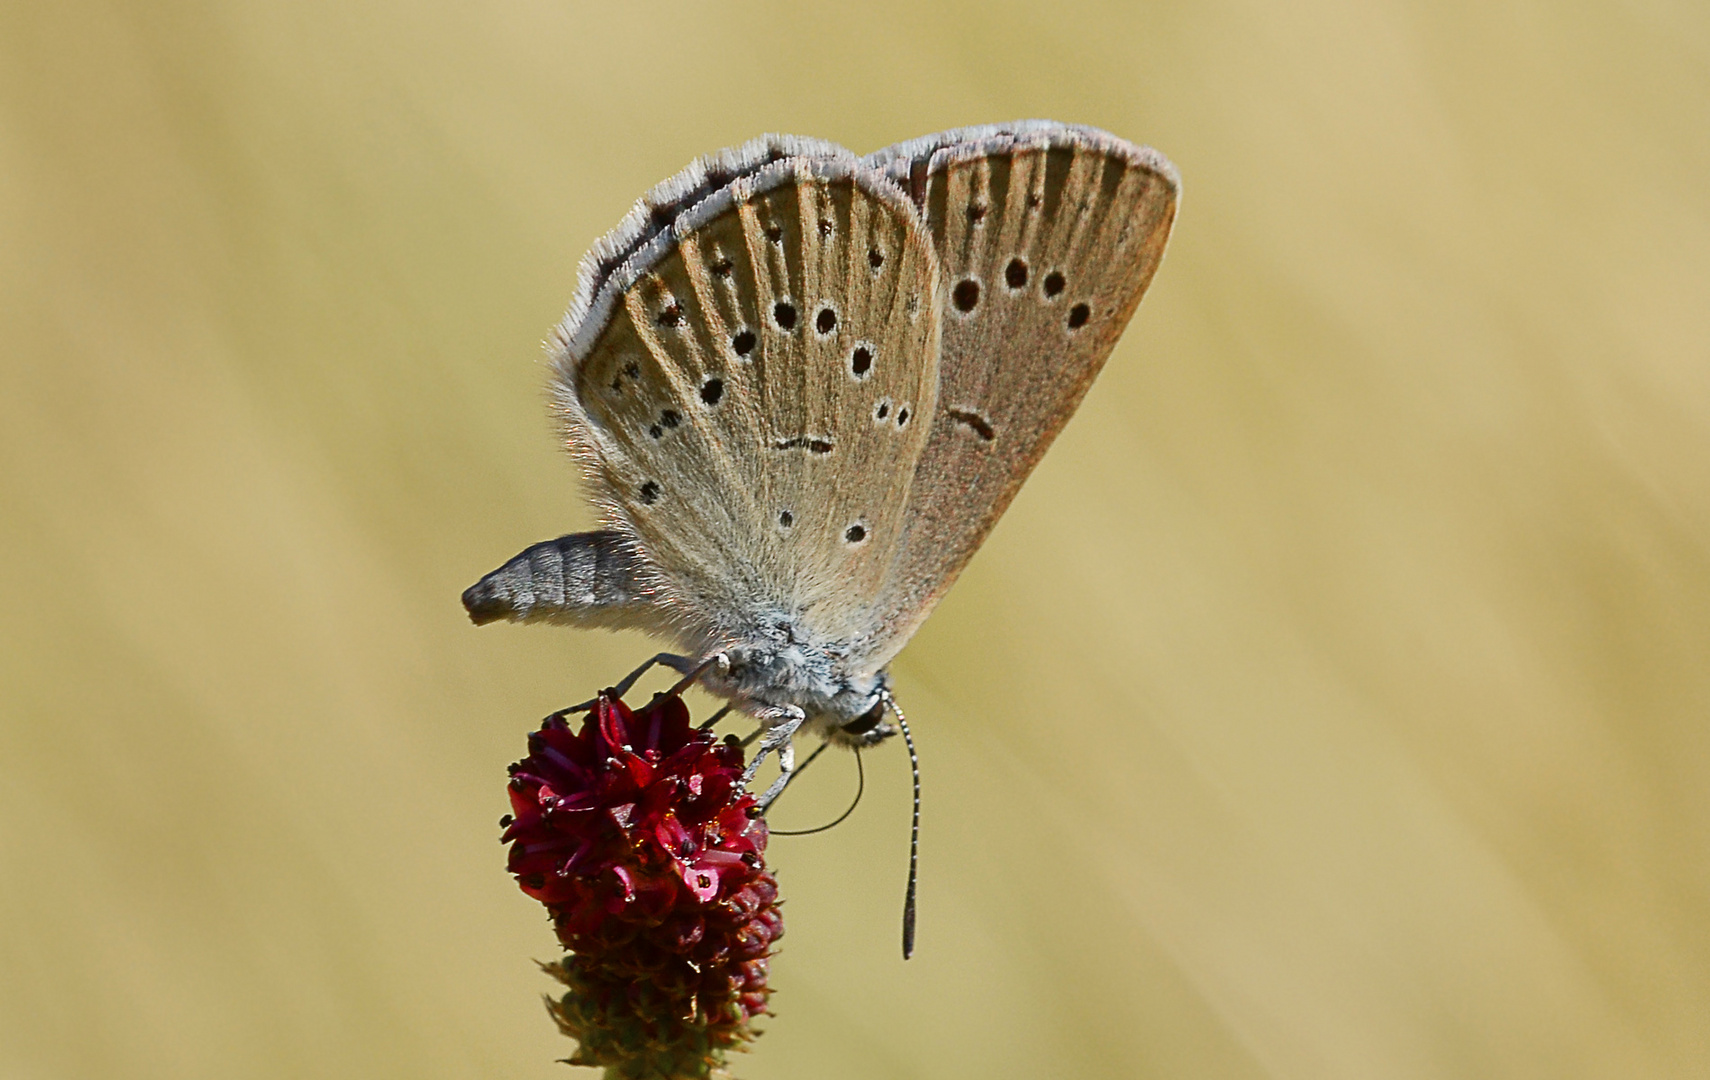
x,y
683,665
786,773
679,664
712,721
692,671
779,726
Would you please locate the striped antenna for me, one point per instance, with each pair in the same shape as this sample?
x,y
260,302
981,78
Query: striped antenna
x,y
913,828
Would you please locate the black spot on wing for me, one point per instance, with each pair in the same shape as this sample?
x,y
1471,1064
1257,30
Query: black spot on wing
x,y
810,443
966,294
979,424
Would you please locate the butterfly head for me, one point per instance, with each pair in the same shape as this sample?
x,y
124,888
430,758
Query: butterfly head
x,y
868,729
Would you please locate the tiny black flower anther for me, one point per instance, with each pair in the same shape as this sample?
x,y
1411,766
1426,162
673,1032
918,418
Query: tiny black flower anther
x,y
635,832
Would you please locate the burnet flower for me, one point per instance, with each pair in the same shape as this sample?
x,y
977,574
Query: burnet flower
x,y
633,829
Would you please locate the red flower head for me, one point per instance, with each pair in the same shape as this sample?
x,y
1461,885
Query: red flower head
x,y
636,835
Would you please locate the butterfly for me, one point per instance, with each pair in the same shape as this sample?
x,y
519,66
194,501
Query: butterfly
x,y
803,385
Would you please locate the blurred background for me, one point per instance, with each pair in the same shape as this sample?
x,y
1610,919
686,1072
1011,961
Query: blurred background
x,y
1331,704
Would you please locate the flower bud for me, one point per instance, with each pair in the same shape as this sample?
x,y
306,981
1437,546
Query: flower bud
x,y
633,829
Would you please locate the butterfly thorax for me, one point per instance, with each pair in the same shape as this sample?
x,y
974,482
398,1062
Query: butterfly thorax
x,y
783,666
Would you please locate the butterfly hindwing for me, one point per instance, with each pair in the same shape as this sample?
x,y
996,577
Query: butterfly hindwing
x,y
734,390
1047,236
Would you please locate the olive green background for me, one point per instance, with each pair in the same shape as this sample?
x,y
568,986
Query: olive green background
x,y
1334,702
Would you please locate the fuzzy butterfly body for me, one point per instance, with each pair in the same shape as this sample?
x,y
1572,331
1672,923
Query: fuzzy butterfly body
x,y
803,386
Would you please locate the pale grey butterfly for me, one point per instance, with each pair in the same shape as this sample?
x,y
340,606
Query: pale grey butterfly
x,y
803,386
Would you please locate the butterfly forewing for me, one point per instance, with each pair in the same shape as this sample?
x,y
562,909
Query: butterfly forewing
x,y
737,410
1047,237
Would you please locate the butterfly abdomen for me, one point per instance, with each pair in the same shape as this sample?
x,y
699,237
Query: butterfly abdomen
x,y
584,579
